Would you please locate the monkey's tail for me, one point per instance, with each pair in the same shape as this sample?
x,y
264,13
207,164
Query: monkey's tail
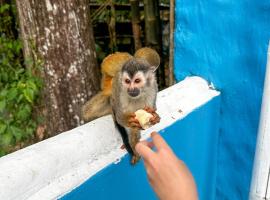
x,y
96,107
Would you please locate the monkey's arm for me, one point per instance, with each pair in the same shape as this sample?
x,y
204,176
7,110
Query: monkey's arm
x,y
123,133
129,120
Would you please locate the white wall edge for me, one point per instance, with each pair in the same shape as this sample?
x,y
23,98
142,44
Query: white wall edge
x,y
53,167
260,184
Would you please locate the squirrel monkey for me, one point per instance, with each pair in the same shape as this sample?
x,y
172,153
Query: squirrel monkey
x,y
99,105
134,88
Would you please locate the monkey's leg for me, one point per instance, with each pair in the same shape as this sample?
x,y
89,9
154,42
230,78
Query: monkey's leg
x,y
134,139
125,139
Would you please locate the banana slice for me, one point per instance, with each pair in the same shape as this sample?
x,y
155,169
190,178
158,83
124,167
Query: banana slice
x,y
144,118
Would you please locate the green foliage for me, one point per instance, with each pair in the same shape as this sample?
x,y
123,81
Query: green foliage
x,y
19,87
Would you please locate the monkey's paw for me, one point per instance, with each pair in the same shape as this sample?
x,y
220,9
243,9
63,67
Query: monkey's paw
x,y
155,119
133,122
135,159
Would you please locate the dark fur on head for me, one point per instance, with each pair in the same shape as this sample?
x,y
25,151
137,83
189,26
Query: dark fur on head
x,y
132,66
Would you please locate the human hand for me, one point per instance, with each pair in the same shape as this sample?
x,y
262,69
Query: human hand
x,y
168,176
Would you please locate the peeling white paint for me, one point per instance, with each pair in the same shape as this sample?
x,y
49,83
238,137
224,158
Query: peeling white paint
x,y
53,167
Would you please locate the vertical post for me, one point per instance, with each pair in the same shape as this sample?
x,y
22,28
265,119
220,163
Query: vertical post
x,y
153,34
171,53
112,29
136,28
260,184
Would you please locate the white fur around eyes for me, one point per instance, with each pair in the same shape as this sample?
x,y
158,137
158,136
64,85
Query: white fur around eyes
x,y
125,76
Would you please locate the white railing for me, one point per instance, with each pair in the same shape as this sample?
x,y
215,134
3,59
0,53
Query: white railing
x,y
55,166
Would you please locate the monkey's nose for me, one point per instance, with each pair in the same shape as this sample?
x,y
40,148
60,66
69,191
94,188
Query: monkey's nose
x,y
133,93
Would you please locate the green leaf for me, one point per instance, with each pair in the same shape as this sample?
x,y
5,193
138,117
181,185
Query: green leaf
x,y
24,112
3,93
29,131
16,132
3,128
4,7
29,94
4,77
2,105
12,93
6,139
31,85
20,98
20,71
2,152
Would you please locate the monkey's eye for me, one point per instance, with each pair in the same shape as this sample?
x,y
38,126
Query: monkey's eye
x,y
137,80
127,81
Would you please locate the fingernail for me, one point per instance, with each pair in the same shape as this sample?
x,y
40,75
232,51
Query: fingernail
x,y
153,133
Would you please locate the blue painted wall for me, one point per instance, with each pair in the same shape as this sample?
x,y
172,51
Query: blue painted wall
x,y
194,139
225,41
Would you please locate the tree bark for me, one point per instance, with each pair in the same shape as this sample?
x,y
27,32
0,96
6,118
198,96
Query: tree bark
x,y
59,32
136,28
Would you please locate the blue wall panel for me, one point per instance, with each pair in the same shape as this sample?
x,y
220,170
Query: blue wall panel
x,y
194,139
225,41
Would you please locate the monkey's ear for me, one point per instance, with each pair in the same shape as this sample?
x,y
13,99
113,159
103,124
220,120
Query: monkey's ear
x,y
150,55
154,68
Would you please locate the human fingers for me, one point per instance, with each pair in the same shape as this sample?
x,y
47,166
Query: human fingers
x,y
150,144
159,142
144,151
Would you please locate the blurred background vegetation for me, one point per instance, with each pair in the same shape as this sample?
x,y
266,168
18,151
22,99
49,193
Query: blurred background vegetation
x,y
19,87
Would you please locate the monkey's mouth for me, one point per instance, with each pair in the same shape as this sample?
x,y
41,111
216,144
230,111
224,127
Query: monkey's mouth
x,y
134,93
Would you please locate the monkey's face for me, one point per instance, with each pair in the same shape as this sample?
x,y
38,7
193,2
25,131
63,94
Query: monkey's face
x,y
133,85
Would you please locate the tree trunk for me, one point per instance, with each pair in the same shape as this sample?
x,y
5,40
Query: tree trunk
x,y
112,31
152,23
136,28
59,32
